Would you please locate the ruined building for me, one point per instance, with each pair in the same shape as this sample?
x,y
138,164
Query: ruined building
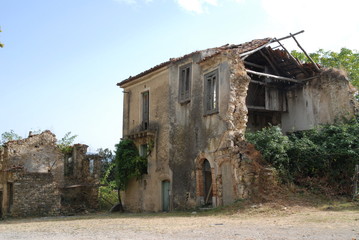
x,y
194,110
37,179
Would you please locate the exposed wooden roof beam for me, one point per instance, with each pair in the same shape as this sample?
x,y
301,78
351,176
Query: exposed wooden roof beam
x,y
254,65
280,39
315,65
273,76
270,61
290,55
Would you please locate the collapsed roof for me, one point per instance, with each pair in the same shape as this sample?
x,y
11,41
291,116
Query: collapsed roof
x,y
256,54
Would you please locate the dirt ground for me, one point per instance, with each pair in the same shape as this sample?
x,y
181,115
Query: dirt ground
x,y
260,222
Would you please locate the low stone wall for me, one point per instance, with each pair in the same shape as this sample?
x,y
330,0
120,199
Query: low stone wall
x,y
35,194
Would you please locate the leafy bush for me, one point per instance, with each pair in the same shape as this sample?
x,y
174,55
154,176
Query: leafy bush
x,y
65,143
326,155
274,146
107,197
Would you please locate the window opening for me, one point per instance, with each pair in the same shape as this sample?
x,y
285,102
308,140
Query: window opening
x,y
145,110
211,94
91,166
69,166
185,83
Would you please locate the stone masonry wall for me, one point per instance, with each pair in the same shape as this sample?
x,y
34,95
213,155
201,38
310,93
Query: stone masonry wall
x,y
35,194
250,176
34,170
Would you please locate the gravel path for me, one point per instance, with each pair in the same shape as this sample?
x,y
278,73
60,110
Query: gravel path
x,y
303,224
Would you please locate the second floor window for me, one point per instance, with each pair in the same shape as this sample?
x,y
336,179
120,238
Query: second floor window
x,y
185,73
211,92
145,110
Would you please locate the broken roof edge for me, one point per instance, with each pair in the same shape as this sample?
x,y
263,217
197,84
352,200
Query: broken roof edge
x,y
150,72
31,135
247,46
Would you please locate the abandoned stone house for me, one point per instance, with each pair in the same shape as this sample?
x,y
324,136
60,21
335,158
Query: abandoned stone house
x,y
37,179
196,108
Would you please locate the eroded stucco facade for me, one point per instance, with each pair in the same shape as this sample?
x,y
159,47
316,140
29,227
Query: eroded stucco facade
x,y
200,157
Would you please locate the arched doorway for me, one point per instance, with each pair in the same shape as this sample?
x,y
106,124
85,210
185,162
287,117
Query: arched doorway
x,y
207,182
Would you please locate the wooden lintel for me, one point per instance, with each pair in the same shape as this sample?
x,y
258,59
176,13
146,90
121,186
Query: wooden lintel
x,y
273,76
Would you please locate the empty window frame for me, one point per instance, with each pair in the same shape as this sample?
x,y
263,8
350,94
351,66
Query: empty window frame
x,y
145,110
185,75
211,92
143,150
91,166
69,166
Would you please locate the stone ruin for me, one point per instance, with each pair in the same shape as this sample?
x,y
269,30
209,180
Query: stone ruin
x,y
38,179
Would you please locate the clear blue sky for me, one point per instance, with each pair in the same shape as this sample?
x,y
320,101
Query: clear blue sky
x,y
63,58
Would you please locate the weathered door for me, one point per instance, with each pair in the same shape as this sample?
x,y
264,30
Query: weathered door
x,y
165,196
207,183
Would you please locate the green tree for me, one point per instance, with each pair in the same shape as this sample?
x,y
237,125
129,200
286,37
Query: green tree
x,y
346,59
108,159
9,136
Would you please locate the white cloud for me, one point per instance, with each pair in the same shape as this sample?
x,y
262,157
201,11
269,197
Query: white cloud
x,y
328,24
197,6
131,2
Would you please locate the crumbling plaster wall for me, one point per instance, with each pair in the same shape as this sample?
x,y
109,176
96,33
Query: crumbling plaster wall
x,y
193,132
321,100
145,194
236,157
218,138
37,153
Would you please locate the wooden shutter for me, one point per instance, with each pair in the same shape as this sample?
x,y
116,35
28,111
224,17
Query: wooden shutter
x,y
145,110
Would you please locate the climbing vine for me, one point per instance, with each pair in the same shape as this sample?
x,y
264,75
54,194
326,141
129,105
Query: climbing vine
x,y
129,164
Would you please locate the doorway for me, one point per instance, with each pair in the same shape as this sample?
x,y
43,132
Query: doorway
x,y
165,196
207,182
